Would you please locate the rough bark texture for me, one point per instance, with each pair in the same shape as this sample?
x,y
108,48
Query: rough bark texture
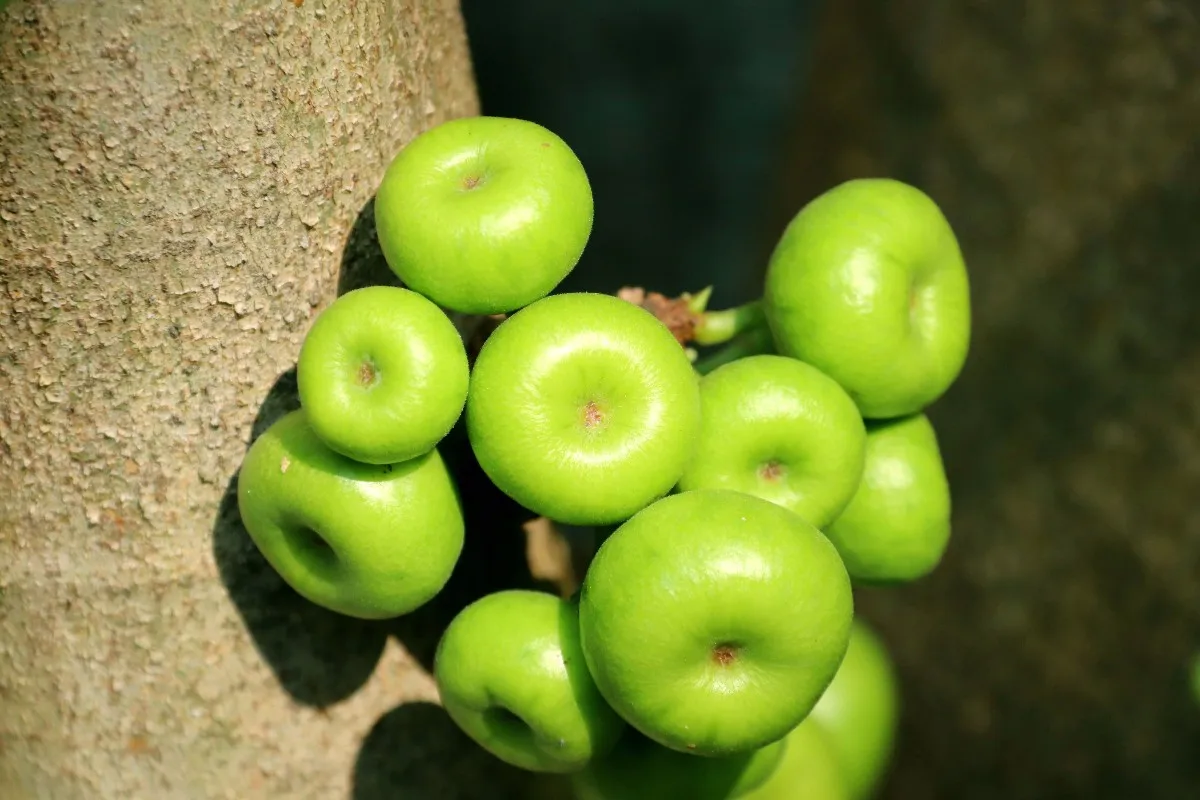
x,y
1047,657
183,185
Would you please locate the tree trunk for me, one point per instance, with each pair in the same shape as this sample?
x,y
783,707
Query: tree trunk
x,y
183,186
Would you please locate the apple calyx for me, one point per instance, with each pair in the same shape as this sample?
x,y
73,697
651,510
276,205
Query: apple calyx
x,y
367,374
772,471
593,415
726,653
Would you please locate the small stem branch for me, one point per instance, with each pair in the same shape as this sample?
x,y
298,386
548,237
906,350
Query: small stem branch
x,y
685,316
717,327
753,342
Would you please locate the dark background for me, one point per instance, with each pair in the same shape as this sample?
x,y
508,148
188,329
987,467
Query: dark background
x,y
1047,656
680,113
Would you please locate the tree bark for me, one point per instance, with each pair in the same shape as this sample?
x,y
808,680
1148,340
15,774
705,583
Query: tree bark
x,y
183,186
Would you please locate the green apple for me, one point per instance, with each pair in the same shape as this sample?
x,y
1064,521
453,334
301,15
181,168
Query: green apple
x,y
809,770
382,375
365,540
859,712
641,769
780,429
897,526
484,215
713,620
511,674
583,408
868,284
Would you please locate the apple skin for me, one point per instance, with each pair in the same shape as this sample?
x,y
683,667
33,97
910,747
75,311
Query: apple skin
x,y
640,769
809,770
382,375
897,526
484,215
511,674
868,284
583,408
713,620
859,712
364,540
782,430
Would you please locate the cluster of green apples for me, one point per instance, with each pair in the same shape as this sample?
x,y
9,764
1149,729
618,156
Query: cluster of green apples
x,y
746,492
840,751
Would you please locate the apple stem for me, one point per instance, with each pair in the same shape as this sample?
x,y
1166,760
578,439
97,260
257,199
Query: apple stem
x,y
718,327
753,342
684,315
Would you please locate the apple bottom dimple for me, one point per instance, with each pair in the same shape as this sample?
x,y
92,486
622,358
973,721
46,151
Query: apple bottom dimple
x,y
366,541
772,471
810,474
725,653
781,430
510,196
592,414
365,364
725,699
583,408
503,721
473,179
383,383
601,465
310,549
710,693
773,479
509,671
368,373
505,726
510,737
726,668
325,574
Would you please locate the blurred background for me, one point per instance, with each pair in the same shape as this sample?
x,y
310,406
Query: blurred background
x,y
679,113
1048,655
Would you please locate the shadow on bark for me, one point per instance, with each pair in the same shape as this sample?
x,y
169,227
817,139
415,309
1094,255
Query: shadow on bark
x,y
493,557
321,657
363,263
318,656
416,751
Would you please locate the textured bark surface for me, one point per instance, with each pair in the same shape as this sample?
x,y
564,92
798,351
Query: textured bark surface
x,y
183,185
1047,657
